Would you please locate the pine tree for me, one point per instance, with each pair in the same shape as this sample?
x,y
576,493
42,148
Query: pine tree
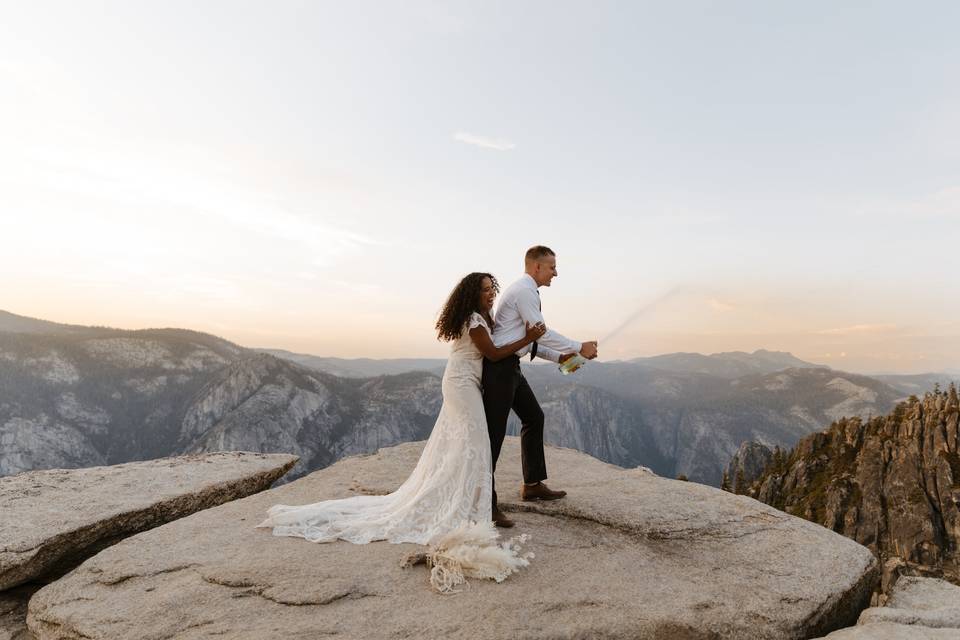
x,y
739,485
779,460
725,482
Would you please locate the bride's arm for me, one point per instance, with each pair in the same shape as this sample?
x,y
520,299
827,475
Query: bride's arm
x,y
481,338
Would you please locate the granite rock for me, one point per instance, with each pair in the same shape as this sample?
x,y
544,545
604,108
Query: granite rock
x,y
13,612
626,554
918,608
54,519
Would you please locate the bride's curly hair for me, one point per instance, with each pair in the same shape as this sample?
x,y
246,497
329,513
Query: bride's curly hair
x,y
463,300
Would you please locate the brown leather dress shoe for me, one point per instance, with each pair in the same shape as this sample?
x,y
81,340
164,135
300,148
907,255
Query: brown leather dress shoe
x,y
539,491
501,520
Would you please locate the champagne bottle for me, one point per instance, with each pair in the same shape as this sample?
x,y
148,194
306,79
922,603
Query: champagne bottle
x,y
572,364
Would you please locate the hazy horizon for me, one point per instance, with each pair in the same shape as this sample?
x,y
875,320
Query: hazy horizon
x,y
948,370
317,176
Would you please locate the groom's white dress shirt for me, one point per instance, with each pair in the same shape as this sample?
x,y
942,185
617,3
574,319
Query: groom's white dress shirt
x,y
519,305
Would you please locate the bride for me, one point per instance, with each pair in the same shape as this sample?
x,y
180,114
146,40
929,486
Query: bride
x,y
451,485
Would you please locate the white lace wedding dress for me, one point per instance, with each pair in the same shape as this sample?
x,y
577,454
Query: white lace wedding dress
x,y
445,501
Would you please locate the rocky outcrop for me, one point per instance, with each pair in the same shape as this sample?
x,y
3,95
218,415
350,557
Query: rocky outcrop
x,y
54,519
891,483
918,609
746,465
626,554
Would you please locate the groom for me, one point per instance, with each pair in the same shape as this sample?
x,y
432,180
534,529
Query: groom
x,y
505,388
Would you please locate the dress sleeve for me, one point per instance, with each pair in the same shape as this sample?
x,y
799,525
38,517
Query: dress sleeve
x,y
476,320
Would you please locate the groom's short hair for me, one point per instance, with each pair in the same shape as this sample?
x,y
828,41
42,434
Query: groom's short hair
x,y
537,252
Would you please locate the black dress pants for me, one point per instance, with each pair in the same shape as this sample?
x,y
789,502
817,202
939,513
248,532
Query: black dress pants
x,y
505,388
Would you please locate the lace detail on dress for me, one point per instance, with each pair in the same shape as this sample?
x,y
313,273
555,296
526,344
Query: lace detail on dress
x,y
449,487
476,320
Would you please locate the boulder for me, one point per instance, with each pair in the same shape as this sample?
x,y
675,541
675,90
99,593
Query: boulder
x,y
54,519
626,554
893,631
926,602
917,608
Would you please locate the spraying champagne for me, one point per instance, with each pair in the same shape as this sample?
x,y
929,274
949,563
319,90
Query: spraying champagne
x,y
573,363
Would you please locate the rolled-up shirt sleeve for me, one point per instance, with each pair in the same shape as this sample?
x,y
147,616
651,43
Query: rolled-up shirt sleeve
x,y
528,304
548,354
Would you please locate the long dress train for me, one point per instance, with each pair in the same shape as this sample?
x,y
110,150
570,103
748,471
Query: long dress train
x,y
447,495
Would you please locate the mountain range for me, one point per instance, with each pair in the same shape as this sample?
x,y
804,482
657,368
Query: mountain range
x,y
73,396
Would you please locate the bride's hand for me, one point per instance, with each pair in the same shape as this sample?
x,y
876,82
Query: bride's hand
x,y
535,331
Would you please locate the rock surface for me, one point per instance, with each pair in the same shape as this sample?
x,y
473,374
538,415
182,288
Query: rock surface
x,y
626,554
918,608
926,602
13,613
891,631
54,519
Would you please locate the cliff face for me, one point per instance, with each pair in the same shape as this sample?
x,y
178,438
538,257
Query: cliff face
x,y
746,465
891,483
102,396
265,404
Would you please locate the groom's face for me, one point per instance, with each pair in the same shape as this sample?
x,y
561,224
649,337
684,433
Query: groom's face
x,y
546,270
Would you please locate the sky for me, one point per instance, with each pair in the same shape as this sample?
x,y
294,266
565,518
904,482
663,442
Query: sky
x,y
316,176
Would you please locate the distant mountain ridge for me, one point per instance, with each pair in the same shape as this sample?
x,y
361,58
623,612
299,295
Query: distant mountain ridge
x,y
22,324
729,364
96,395
361,367
91,396
920,383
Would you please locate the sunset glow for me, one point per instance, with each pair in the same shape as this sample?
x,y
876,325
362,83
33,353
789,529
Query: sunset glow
x,y
316,177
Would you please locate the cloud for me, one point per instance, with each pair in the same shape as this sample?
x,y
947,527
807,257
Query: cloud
x,y
857,329
187,183
718,305
498,144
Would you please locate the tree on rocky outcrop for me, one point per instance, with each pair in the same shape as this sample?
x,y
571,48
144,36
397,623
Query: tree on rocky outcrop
x,y
739,485
725,482
779,459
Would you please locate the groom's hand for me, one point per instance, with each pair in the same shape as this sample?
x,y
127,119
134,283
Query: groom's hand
x,y
589,350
